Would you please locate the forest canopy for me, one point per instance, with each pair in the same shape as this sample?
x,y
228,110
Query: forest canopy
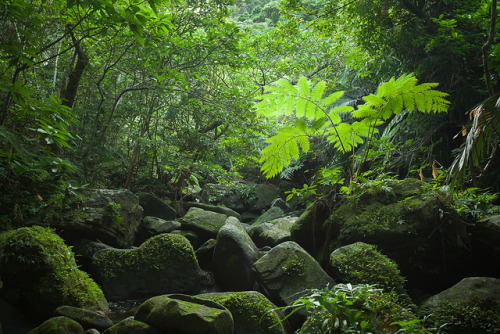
x,y
165,96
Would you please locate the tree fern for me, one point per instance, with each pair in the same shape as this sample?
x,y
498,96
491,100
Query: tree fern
x,y
307,103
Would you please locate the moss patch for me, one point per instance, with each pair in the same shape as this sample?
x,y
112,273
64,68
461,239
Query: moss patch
x,y
249,307
158,252
40,271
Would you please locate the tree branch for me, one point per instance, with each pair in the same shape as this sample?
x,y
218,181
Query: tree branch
x,y
486,46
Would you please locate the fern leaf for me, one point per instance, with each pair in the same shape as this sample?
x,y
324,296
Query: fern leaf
x,y
282,148
318,90
409,101
303,87
327,101
374,100
287,86
300,110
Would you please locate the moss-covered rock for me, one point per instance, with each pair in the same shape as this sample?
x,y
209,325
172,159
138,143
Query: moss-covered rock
x,y
252,312
206,224
131,326
287,270
470,306
233,257
411,224
165,263
272,233
185,315
360,263
108,215
39,272
88,319
58,325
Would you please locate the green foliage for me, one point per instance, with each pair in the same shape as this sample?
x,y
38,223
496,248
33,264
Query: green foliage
x,y
307,104
481,140
353,309
452,318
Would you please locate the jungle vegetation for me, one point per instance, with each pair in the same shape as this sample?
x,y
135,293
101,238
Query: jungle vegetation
x,y
165,95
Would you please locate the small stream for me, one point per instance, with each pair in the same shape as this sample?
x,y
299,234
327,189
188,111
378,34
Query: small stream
x,y
120,310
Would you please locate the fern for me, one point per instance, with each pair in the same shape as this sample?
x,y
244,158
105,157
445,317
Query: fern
x,y
307,103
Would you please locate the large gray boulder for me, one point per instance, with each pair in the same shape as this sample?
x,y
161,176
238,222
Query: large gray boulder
x,y
183,314
470,306
272,233
155,207
234,255
151,226
165,263
241,196
215,208
252,312
206,224
110,216
39,273
287,270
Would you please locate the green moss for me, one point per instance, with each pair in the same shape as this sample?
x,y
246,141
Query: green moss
x,y
38,266
293,266
157,252
249,305
360,263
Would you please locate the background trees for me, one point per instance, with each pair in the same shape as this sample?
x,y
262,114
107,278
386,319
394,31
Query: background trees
x,y
159,94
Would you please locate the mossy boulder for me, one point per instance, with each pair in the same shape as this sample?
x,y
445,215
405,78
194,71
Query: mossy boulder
x,y
165,263
272,233
410,223
273,213
470,306
360,263
108,215
88,319
233,257
39,273
206,224
58,325
132,326
252,312
287,270
183,314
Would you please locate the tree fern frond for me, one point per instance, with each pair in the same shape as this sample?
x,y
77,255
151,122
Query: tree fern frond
x,y
287,86
327,101
317,92
282,148
303,87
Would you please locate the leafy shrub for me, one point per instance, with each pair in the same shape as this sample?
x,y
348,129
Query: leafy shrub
x,y
354,309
